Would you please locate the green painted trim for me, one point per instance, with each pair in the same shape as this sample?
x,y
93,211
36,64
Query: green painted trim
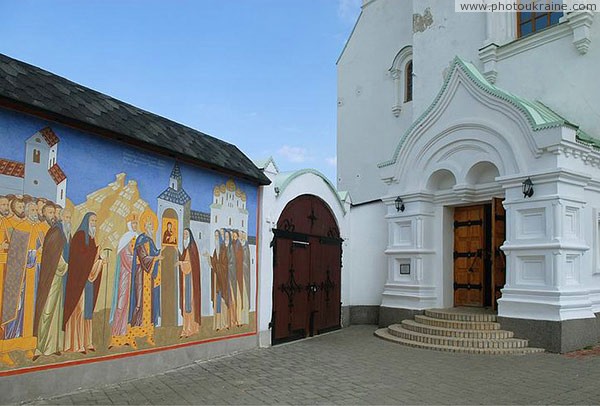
x,y
537,114
263,163
283,179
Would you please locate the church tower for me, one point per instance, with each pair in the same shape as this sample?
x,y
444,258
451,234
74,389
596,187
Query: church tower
x,y
175,179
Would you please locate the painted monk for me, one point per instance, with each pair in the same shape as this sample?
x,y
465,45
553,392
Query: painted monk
x,y
83,283
246,275
231,281
189,285
5,230
49,305
238,251
119,312
218,262
23,260
144,307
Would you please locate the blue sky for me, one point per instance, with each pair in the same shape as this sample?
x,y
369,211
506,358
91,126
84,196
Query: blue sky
x,y
257,73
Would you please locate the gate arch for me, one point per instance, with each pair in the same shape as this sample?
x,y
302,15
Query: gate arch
x,y
307,251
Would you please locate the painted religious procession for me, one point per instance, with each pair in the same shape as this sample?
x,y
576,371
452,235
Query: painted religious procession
x,y
112,274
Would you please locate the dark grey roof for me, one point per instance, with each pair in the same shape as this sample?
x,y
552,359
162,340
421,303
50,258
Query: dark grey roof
x,y
175,196
34,90
199,216
176,172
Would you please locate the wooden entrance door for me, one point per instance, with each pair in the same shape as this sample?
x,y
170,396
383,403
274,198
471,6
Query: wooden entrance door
x,y
469,265
498,260
307,271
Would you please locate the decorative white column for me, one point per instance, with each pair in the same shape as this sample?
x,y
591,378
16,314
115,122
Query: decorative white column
x,y
544,249
410,281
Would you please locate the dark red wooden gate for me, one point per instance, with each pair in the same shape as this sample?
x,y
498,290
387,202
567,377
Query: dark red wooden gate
x,y
307,252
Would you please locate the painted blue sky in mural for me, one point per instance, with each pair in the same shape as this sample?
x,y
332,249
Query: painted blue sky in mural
x,y
260,74
95,166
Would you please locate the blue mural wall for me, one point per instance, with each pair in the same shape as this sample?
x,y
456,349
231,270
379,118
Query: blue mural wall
x,y
109,249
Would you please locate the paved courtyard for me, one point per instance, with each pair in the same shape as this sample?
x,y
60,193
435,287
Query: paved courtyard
x,y
351,366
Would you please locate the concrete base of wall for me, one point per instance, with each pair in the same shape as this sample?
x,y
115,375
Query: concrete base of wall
x,y
50,382
264,338
392,315
555,336
345,316
364,314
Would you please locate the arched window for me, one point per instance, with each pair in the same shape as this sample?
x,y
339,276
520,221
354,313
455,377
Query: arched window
x,y
36,156
408,80
401,73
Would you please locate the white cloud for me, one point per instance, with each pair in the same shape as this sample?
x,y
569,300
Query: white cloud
x,y
348,10
293,154
331,161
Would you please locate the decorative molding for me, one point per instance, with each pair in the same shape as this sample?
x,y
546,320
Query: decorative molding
x,y
576,24
488,56
580,24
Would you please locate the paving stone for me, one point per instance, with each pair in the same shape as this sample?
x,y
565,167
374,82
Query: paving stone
x,y
352,366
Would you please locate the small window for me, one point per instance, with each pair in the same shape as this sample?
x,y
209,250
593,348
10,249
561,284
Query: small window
x,y
229,220
408,82
530,22
200,235
36,156
216,217
242,223
62,193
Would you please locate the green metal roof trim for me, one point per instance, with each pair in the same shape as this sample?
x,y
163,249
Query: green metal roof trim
x,y
537,114
263,163
283,179
587,139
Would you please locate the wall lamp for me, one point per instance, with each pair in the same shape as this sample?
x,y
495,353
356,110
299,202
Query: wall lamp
x,y
399,204
527,188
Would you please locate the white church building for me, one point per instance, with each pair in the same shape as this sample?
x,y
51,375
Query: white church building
x,y
39,175
469,144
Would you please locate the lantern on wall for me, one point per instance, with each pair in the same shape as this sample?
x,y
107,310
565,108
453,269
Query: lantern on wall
x,y
399,204
527,188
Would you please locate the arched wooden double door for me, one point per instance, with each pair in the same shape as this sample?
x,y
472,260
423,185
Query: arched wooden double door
x,y
307,252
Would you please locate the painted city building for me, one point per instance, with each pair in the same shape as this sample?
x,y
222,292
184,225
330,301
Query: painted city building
x,y
126,258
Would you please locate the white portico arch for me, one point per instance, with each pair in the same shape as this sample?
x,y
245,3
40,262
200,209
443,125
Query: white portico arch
x,y
473,143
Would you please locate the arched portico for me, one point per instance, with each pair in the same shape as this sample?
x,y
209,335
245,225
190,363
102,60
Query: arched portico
x,y
472,148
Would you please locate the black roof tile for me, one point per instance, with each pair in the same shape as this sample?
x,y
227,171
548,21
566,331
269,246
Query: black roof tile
x,y
66,101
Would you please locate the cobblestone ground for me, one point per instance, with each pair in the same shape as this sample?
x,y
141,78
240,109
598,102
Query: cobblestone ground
x,y
351,366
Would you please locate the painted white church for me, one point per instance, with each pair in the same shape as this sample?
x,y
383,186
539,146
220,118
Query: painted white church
x,y
39,175
469,146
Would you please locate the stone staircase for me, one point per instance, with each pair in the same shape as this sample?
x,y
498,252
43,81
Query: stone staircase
x,y
459,329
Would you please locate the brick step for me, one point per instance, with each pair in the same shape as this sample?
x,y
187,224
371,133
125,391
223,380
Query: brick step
x,y
461,314
384,334
459,325
399,331
450,332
